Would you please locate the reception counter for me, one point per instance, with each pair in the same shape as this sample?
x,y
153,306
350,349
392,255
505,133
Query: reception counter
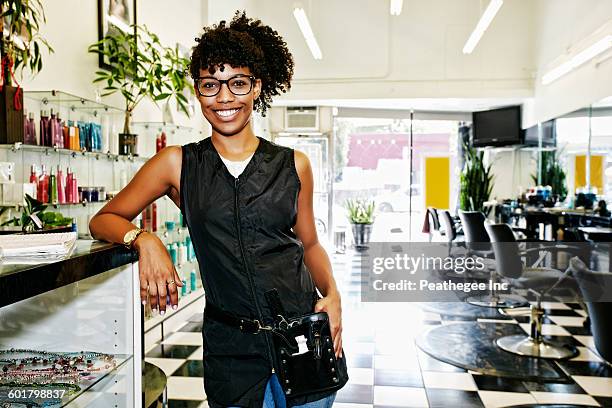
x,y
87,304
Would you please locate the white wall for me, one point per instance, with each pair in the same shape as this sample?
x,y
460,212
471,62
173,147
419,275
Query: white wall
x,y
512,170
563,24
72,25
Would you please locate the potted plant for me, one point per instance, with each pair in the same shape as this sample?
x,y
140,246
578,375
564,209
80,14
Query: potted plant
x,y
21,47
476,181
141,67
552,173
34,217
361,217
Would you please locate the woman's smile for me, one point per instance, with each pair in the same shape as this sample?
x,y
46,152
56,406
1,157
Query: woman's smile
x,y
227,114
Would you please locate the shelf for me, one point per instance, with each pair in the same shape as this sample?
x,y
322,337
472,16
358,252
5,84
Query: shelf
x,y
164,126
57,205
101,383
73,102
49,150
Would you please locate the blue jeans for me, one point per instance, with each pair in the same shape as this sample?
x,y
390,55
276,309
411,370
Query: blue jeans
x,y
275,397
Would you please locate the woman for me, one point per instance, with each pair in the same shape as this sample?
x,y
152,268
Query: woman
x,y
248,205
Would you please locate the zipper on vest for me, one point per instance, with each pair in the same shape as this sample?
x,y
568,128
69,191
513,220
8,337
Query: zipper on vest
x,y
246,266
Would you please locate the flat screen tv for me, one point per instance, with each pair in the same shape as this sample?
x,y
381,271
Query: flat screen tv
x,y
497,127
549,134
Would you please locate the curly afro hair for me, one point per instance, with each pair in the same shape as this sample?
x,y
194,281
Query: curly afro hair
x,y
246,42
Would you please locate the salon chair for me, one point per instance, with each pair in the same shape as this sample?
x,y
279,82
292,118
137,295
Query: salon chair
x,y
434,223
596,286
448,225
479,244
537,280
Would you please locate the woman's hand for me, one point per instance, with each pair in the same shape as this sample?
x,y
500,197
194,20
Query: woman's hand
x,y
331,305
156,272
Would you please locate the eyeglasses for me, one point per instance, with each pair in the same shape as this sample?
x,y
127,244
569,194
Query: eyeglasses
x,y
238,85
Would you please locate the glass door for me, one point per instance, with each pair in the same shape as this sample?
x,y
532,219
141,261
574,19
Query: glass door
x,y
317,150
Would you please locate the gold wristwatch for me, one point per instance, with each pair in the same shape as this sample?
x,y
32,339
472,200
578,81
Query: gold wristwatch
x,y
130,236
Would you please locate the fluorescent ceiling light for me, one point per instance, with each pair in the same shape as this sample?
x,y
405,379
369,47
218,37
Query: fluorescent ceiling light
x,y
395,7
483,24
302,20
117,22
582,57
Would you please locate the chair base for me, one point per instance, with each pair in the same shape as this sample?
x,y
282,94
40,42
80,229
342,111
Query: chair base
x,y
529,347
499,301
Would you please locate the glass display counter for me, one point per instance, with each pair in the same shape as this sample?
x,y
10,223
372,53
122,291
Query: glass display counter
x,y
71,331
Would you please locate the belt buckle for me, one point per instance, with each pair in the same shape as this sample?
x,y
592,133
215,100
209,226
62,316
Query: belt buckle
x,y
250,326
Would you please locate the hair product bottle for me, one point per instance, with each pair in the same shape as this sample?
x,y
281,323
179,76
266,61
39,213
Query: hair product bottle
x,y
43,185
27,138
68,187
52,124
61,183
33,176
59,132
52,187
44,128
75,189
32,128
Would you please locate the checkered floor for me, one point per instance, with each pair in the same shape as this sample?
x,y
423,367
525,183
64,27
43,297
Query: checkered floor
x,y
388,370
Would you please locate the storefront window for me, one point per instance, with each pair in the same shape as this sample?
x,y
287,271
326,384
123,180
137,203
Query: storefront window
x,y
372,160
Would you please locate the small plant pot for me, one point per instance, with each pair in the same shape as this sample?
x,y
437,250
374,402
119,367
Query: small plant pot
x,y
128,144
361,235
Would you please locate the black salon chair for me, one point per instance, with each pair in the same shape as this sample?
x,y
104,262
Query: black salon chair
x,y
448,226
434,223
596,289
478,242
475,233
538,280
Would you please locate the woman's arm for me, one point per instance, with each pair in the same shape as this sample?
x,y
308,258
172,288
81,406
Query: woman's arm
x,y
157,177
315,257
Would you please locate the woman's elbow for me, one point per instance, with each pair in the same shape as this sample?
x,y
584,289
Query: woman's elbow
x,y
94,226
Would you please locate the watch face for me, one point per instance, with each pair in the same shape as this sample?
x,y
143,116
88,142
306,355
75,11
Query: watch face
x,y
129,236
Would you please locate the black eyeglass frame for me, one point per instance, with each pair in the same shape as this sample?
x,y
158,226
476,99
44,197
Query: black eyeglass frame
x,y
226,82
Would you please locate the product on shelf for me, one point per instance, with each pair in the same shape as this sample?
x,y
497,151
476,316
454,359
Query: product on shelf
x,y
43,369
33,174
172,251
29,129
193,281
52,187
42,193
61,183
45,138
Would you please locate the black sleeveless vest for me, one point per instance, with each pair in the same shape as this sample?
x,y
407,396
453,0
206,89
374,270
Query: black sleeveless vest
x,y
244,243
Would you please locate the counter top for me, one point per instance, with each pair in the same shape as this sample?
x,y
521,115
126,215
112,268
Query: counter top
x,y
89,258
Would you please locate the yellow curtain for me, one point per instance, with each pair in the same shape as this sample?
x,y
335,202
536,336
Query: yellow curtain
x,y
597,172
437,182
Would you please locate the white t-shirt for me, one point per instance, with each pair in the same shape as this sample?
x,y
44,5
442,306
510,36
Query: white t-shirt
x,y
236,167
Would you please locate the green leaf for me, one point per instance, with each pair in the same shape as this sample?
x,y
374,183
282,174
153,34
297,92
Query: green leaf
x,y
162,96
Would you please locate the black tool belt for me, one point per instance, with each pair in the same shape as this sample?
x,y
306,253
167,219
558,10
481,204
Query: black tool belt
x,y
313,368
245,324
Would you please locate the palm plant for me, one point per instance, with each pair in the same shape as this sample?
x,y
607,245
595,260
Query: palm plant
x,y
552,174
21,43
142,67
476,180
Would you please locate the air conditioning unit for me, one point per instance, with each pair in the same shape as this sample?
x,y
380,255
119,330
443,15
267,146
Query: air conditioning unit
x,y
302,118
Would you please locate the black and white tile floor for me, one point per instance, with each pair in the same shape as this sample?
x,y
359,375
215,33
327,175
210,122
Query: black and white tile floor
x,y
388,370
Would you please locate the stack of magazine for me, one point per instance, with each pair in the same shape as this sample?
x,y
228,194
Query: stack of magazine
x,y
36,248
